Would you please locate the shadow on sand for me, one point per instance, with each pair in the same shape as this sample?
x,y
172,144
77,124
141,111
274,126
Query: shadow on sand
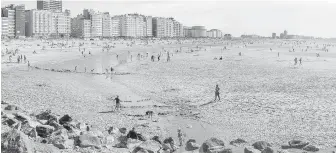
x,y
107,112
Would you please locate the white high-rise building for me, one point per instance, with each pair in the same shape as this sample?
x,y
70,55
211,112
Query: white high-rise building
x,y
107,25
132,25
61,24
167,27
11,23
96,24
116,26
4,26
39,23
148,26
178,29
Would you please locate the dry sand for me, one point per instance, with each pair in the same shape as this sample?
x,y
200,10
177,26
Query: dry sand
x,y
263,96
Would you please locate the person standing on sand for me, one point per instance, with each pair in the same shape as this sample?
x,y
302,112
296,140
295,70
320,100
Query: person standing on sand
x,y
295,61
278,54
300,60
117,103
217,92
75,68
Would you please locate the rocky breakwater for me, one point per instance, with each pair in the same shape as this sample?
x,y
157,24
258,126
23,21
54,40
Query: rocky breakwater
x,y
47,132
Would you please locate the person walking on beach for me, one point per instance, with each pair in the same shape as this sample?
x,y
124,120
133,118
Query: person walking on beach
x,y
158,57
295,61
300,60
75,68
24,58
168,57
117,103
278,54
217,92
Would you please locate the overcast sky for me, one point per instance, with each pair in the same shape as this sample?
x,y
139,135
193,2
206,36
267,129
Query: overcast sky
x,y
259,17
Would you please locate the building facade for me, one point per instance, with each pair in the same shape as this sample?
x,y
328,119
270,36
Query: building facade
x,y
132,25
9,13
80,27
178,29
149,26
39,23
273,35
214,33
198,31
96,24
52,5
20,21
107,25
4,27
116,26
187,32
61,25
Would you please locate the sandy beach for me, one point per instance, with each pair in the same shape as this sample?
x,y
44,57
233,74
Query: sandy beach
x,y
264,96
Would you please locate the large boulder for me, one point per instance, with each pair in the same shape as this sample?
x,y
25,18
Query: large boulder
x,y
157,139
123,130
298,144
65,144
54,124
150,146
16,142
212,145
250,149
310,148
59,137
65,119
44,130
12,107
87,140
47,115
133,143
267,150
121,142
26,128
237,142
261,145
108,141
22,117
192,145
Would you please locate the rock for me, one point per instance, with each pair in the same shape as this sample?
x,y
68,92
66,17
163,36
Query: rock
x,y
192,145
261,145
133,143
44,122
237,142
250,149
11,121
267,150
283,151
22,117
88,140
26,128
169,140
44,130
45,148
169,147
16,142
139,150
81,126
12,107
33,133
65,119
65,144
298,144
74,133
213,145
113,130
47,115
310,148
54,124
157,139
109,141
150,146
121,142
123,130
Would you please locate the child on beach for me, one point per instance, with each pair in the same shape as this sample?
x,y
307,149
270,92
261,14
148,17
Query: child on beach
x,y
217,93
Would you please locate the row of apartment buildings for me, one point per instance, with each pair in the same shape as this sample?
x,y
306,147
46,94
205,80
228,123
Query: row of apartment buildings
x,y
46,21
93,24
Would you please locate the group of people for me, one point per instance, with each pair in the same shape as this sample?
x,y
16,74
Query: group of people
x,y
295,60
